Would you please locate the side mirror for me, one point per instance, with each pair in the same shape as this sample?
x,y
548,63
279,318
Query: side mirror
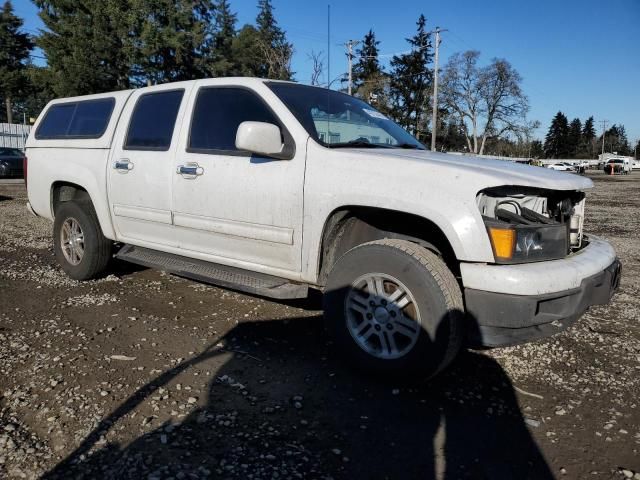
x,y
260,138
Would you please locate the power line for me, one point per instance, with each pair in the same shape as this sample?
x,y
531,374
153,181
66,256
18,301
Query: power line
x,y
403,52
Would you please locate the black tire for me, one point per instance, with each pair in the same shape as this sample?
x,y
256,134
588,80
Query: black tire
x,y
97,248
437,297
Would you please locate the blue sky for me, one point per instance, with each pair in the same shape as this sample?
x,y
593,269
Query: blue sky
x,y
578,56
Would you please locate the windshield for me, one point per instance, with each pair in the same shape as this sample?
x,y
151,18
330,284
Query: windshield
x,y
337,120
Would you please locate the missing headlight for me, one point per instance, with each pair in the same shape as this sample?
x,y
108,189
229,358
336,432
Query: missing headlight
x,y
529,224
527,243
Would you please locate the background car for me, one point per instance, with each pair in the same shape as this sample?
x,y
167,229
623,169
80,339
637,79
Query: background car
x,y
618,165
560,167
11,163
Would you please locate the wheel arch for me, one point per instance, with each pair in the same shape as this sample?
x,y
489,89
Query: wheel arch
x,y
349,226
64,191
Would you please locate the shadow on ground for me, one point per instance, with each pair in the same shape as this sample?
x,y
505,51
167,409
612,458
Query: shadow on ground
x,y
286,407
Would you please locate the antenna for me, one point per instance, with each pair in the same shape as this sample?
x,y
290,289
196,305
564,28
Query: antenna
x,y
328,44
328,139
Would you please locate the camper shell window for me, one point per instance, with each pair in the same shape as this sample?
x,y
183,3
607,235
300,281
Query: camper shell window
x,y
83,119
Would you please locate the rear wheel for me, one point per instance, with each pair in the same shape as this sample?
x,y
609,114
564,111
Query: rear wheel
x,y
395,309
81,249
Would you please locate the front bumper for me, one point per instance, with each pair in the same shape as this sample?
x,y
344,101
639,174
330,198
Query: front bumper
x,y
501,319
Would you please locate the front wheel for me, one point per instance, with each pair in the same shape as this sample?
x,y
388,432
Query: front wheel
x,y
395,309
81,249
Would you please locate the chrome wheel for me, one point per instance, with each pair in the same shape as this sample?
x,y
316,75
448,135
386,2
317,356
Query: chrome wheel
x,y
382,316
72,241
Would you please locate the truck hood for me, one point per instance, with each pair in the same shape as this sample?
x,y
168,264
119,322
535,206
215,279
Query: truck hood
x,y
486,172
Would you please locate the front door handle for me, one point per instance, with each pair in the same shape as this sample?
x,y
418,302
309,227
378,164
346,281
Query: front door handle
x,y
190,170
123,165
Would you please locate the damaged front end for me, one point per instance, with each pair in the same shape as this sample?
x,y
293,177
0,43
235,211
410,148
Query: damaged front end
x,y
531,224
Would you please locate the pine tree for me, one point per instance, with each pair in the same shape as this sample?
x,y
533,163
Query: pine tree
x,y
556,141
38,91
588,130
411,81
367,66
452,138
221,61
587,143
245,52
15,47
276,51
616,140
86,44
100,45
169,35
369,78
574,137
537,149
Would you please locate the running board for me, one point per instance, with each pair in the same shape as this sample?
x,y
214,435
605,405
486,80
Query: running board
x,y
215,274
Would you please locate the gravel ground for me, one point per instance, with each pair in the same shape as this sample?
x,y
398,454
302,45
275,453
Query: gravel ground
x,y
145,375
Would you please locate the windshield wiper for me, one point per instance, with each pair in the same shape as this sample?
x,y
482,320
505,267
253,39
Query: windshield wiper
x,y
356,144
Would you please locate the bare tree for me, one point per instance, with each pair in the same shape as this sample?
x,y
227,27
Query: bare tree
x,y
277,60
317,59
488,101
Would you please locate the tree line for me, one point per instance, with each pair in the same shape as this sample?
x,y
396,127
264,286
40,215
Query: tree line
x,y
480,106
575,139
95,46
104,45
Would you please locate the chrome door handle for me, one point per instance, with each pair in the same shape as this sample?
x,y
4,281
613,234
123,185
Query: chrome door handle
x,y
190,169
123,165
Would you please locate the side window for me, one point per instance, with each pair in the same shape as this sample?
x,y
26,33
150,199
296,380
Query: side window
x,y
217,114
153,120
91,118
85,119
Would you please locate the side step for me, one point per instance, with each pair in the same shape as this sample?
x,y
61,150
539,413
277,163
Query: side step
x,y
220,275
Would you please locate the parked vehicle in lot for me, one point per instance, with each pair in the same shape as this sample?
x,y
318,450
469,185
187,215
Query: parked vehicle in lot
x,y
272,187
617,166
561,167
11,163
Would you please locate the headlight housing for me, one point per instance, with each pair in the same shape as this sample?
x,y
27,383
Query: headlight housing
x,y
527,243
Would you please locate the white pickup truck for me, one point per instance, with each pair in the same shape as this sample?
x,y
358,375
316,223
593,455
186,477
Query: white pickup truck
x,y
273,187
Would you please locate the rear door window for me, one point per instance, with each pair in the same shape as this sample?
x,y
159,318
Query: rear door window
x,y
83,119
153,121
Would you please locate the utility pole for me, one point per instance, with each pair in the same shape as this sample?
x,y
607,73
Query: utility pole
x,y
604,132
350,44
434,113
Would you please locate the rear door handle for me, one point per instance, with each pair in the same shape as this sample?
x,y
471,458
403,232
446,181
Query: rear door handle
x,y
190,170
123,165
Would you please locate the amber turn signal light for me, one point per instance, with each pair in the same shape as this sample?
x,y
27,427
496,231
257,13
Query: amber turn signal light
x,y
503,241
